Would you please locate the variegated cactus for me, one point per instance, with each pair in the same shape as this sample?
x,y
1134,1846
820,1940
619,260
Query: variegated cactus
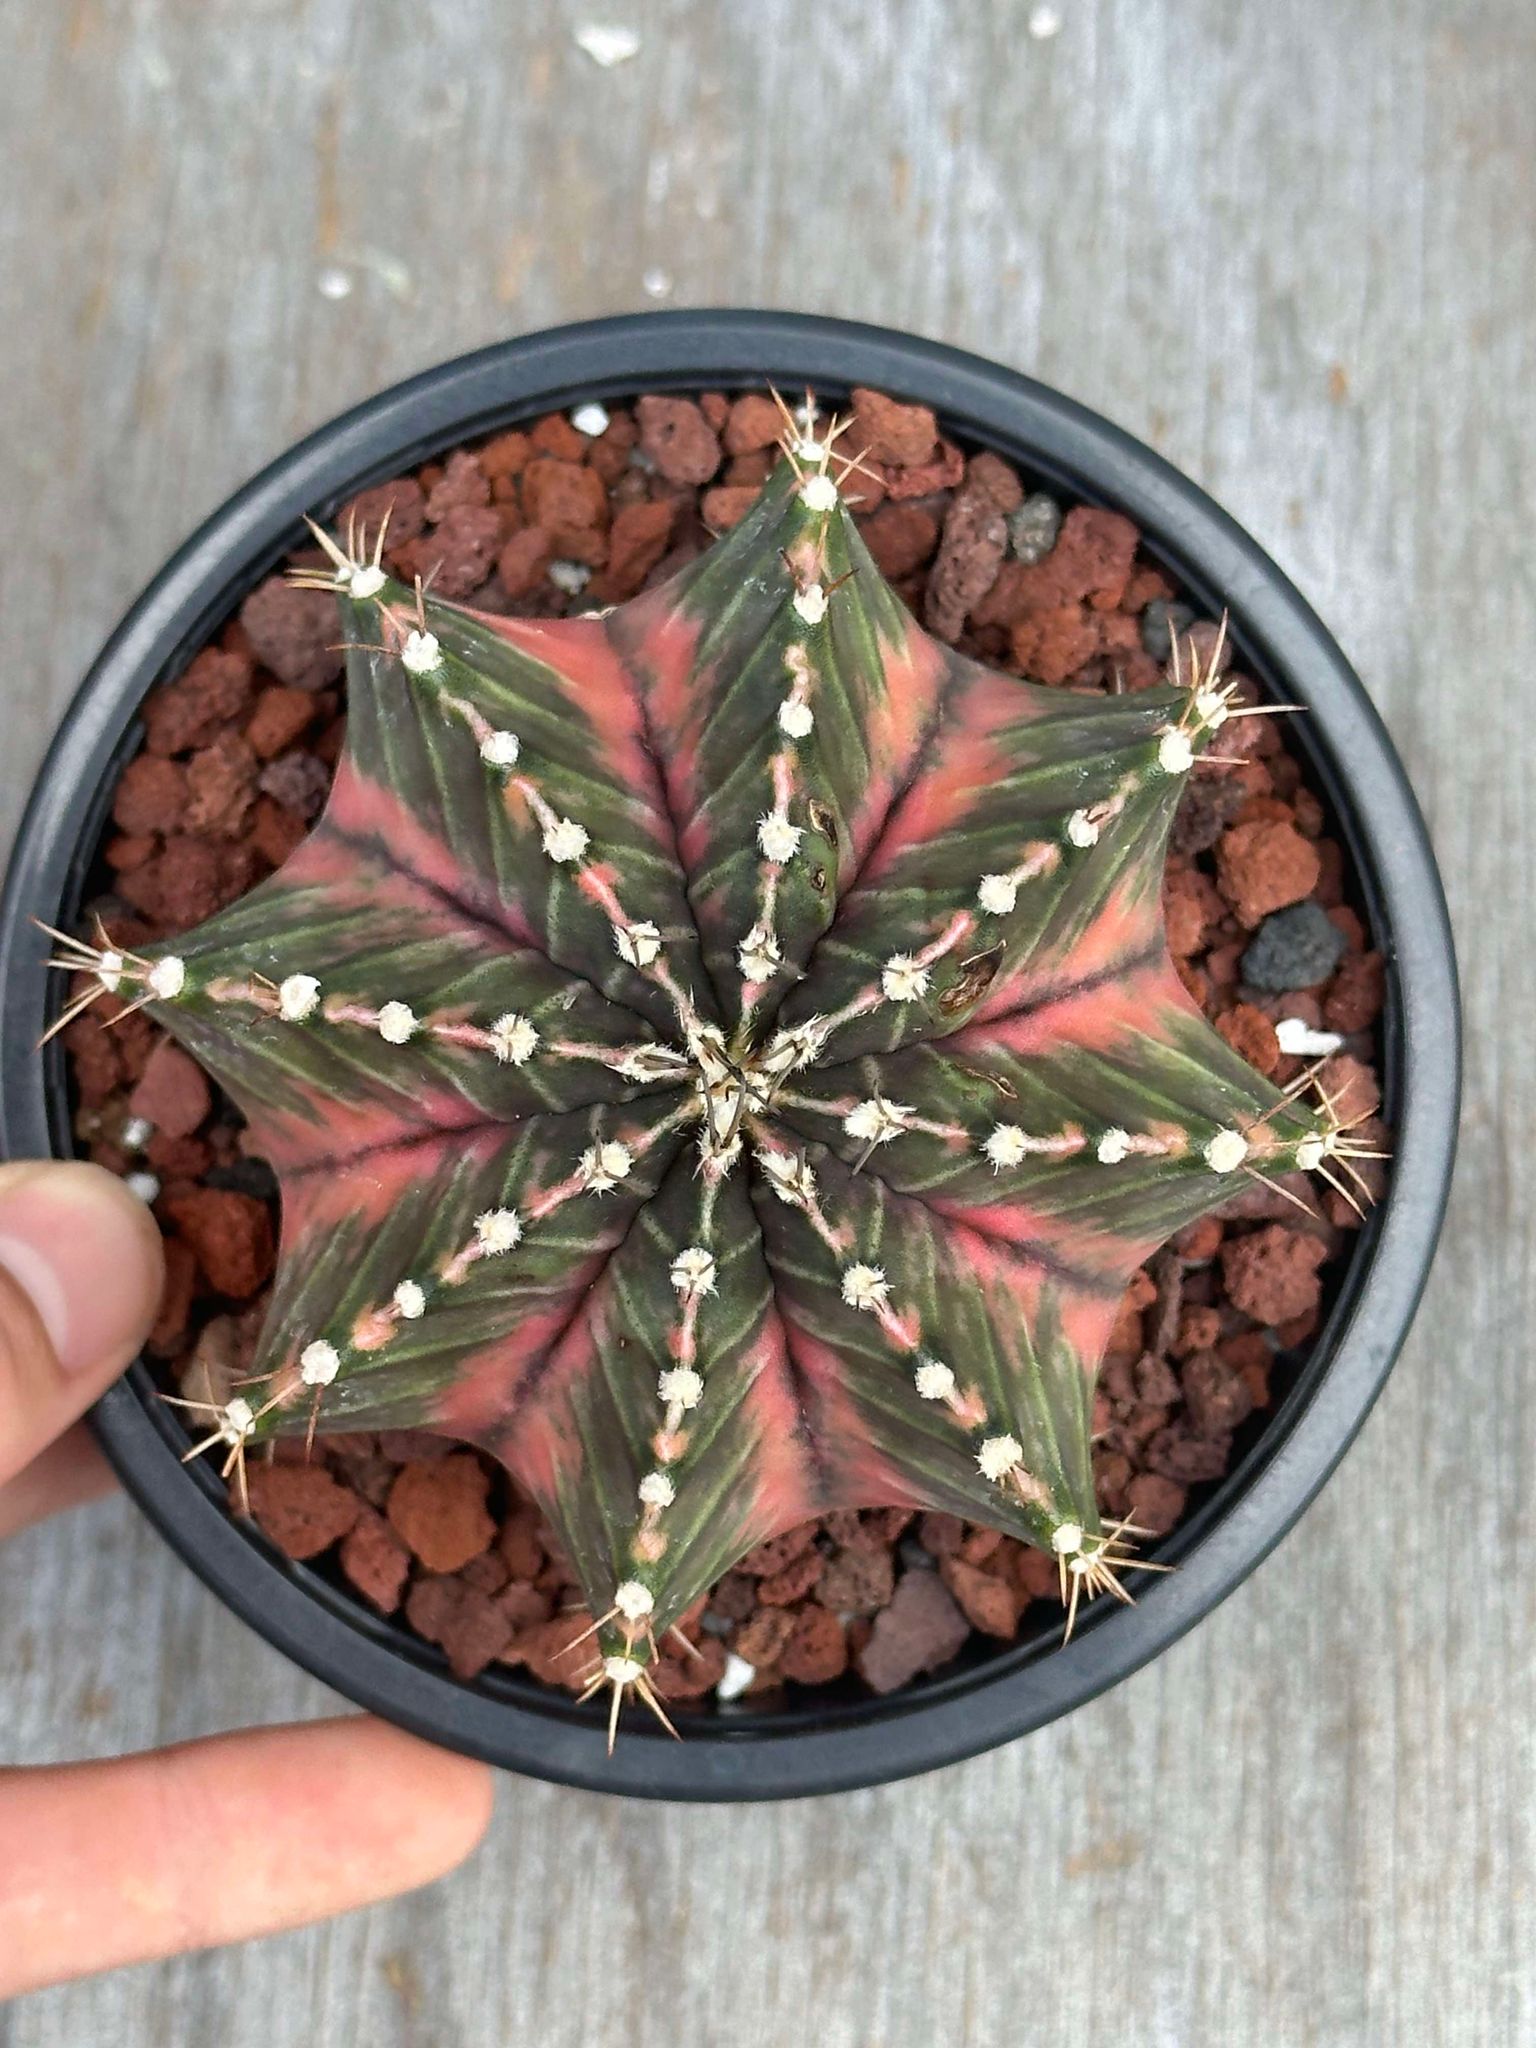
x,y
721,1057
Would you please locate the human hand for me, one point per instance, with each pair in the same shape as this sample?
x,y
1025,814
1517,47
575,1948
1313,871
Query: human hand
x,y
210,1841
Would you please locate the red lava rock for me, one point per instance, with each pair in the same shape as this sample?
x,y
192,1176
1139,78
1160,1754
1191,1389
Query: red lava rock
x,y
1199,1328
678,439
190,711
1351,1087
817,1649
439,1509
1249,1032
275,832
1053,644
942,474
463,482
1191,905
1356,993
677,1676
784,1588
221,785
555,1651
564,498
504,459
760,1640
900,538
518,1543
298,782
903,435
1155,1503
1177,1453
857,1581
772,1556
170,1324
300,1508
733,1597
999,481
727,505
637,541
173,1092
941,1535
989,1603
231,1234
974,541
150,795
398,507
920,1629
753,422
1264,866
1271,1274
279,717
554,435
294,633
375,1561
1037,1573
1090,563
524,1605
457,555
1215,1396
522,562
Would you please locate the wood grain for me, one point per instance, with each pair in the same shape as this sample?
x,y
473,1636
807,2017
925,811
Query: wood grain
x,y
1291,247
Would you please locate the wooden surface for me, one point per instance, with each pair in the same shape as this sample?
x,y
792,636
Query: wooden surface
x,y
1291,246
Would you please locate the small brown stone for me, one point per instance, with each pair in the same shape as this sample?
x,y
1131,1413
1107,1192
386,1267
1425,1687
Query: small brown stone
x,y
920,1629
294,633
375,1561
438,1508
904,435
988,1603
753,422
817,1649
172,1093
1271,1274
300,1508
231,1234
1264,866
679,440
280,716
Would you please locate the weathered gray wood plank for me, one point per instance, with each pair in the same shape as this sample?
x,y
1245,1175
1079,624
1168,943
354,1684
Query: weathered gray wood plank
x,y
1291,247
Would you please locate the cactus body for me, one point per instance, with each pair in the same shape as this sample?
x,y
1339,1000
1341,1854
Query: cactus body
x,y
723,1058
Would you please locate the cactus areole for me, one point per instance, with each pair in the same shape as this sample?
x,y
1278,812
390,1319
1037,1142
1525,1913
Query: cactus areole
x,y
723,1058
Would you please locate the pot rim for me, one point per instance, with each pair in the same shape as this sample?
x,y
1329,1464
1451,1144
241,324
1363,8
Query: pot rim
x,y
993,1697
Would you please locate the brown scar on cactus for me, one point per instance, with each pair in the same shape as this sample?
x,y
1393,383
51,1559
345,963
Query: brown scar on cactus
x,y
722,1058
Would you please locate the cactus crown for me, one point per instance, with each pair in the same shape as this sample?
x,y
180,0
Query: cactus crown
x,y
723,1058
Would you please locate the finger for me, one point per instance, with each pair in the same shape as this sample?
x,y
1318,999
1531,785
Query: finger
x,y
80,1277
68,1473
216,1841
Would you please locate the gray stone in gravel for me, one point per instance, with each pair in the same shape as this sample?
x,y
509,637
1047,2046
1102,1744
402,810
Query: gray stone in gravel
x,y
1293,948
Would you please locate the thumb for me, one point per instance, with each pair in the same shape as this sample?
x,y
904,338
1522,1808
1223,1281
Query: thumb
x,y
80,1278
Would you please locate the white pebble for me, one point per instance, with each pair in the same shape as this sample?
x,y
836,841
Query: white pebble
x,y
606,46
1296,1037
736,1677
590,419
145,1185
571,577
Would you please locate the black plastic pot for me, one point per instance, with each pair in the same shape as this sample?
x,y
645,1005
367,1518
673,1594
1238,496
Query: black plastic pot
x,y
822,1744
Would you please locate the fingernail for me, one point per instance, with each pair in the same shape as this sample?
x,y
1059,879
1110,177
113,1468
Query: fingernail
x,y
86,1254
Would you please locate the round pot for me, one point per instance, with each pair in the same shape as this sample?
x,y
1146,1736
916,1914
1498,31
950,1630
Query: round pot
x,y
825,1742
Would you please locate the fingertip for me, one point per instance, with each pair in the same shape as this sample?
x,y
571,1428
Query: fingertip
x,y
440,1803
87,1254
